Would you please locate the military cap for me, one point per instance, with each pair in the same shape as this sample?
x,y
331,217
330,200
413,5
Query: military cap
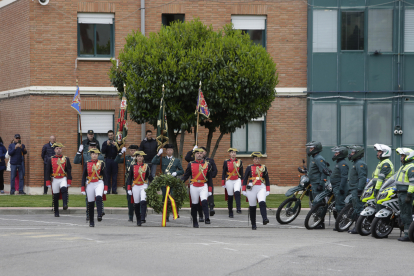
x,y
17,136
169,146
201,149
57,145
232,149
256,154
133,147
90,132
94,151
139,153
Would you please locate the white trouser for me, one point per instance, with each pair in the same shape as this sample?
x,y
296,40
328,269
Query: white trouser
x,y
198,192
138,191
233,186
257,192
94,189
58,183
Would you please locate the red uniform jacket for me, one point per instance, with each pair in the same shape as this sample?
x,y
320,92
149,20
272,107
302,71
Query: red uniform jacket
x,y
58,167
256,175
200,173
93,172
232,170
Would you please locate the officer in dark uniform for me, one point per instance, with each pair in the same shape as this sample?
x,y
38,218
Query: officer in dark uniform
x,y
47,152
129,160
357,181
316,174
190,157
231,180
339,177
110,149
90,138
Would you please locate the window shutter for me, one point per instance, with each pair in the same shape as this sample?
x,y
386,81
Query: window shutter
x,y
243,22
95,18
380,30
409,31
325,30
98,121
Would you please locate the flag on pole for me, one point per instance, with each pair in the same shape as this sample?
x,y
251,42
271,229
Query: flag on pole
x,y
76,102
122,129
202,104
162,127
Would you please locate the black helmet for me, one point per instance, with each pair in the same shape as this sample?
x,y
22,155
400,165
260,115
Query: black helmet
x,y
343,153
358,153
313,144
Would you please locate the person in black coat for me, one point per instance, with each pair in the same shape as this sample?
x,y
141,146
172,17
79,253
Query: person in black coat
x,y
3,166
149,147
47,152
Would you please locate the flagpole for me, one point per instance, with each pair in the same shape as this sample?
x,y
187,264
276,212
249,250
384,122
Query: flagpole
x,y
80,124
198,113
162,118
124,145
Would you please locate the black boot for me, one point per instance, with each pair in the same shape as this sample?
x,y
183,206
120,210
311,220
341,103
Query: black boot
x,y
99,207
200,212
263,212
56,204
238,204
65,197
87,209
91,207
130,209
194,208
212,211
230,206
321,225
143,210
103,210
353,231
137,208
204,204
252,210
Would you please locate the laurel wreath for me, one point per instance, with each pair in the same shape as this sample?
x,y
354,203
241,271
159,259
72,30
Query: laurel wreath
x,y
179,192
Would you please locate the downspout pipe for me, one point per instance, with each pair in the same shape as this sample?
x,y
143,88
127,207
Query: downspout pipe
x,y
143,32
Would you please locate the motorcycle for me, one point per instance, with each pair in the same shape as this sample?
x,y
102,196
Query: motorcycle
x,y
290,208
344,218
363,224
325,203
411,231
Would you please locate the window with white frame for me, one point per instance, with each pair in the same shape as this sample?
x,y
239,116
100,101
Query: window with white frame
x,y
250,137
253,25
325,29
98,121
95,34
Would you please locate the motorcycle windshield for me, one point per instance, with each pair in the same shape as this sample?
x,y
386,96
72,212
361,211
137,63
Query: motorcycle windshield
x,y
369,185
389,183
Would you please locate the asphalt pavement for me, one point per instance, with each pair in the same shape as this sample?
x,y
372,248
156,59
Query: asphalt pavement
x,y
40,244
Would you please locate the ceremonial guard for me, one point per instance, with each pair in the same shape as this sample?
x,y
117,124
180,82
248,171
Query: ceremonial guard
x,y
93,178
256,186
170,166
231,180
58,167
201,184
137,183
190,157
110,149
129,160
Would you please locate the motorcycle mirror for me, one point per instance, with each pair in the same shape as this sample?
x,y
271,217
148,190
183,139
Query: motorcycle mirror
x,y
303,161
327,164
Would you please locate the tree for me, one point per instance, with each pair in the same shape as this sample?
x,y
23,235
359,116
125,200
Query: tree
x,y
238,77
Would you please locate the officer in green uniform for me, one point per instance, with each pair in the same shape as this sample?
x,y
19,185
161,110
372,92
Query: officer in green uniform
x,y
129,160
384,169
339,177
84,150
405,188
357,181
170,166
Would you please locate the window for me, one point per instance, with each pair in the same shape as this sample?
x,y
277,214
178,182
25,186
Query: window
x,y
324,123
250,137
352,31
380,30
408,124
95,35
98,121
352,124
379,127
254,26
409,31
167,19
325,31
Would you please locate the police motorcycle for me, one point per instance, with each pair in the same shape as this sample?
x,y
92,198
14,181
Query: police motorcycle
x,y
363,224
411,231
290,208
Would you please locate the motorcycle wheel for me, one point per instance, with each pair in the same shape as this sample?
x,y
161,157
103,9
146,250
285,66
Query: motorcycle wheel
x,y
381,227
344,219
363,225
312,218
411,232
284,213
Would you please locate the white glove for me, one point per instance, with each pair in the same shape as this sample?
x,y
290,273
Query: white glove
x,y
123,150
267,193
84,193
174,174
160,152
244,193
195,147
129,192
105,192
48,186
80,148
210,193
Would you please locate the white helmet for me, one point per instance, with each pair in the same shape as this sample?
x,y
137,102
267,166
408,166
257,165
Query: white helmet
x,y
405,151
386,150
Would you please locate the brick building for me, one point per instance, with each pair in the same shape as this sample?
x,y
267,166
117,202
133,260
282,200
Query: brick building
x,y
45,48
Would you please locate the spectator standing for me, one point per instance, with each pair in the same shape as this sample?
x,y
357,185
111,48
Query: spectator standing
x,y
47,152
110,149
90,138
149,147
17,150
3,167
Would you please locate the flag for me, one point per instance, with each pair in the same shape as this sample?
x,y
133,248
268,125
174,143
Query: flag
x,y
162,127
76,102
202,105
122,129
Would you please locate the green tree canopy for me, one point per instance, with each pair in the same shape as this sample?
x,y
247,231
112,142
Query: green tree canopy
x,y
238,77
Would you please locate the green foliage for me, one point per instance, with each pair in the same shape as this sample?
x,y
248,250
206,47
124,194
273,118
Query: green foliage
x,y
238,77
179,192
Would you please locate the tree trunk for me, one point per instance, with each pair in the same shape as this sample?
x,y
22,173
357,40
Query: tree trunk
x,y
217,145
209,138
180,154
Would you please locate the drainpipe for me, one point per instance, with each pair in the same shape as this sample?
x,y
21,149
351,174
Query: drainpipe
x,y
143,32
399,62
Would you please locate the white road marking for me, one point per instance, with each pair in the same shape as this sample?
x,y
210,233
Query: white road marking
x,y
340,244
231,249
26,220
